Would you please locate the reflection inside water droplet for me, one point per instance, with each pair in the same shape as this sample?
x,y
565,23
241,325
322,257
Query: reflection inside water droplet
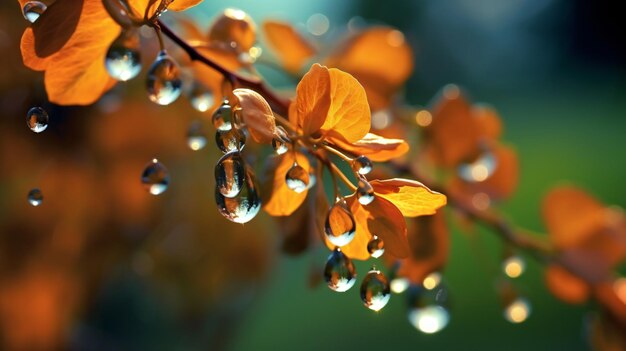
x,y
35,197
339,273
243,207
297,178
123,59
362,165
33,9
230,140
365,193
37,119
339,226
163,82
223,117
155,177
375,291
376,247
230,174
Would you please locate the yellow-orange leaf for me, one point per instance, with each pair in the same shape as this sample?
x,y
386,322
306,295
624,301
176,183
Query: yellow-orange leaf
x,y
312,100
292,49
282,200
180,5
412,198
257,115
375,147
566,286
488,121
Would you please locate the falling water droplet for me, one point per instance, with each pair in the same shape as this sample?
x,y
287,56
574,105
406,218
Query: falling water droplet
x,y
123,59
365,193
196,139
297,178
280,147
223,117
375,291
339,273
230,140
35,197
376,247
362,165
339,226
155,177
243,207
33,9
201,99
229,174
428,311
37,119
163,82
479,170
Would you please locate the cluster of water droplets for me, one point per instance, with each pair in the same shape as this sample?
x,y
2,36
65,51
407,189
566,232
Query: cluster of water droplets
x,y
37,121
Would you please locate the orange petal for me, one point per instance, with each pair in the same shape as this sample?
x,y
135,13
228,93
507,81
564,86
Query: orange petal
x,y
312,99
233,27
75,74
412,198
257,115
488,121
292,49
375,147
282,200
566,286
180,5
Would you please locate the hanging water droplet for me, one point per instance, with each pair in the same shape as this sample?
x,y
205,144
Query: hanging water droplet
x,y
201,99
362,165
155,177
223,117
376,247
339,226
163,82
365,193
37,119
196,139
428,308
230,140
297,178
33,9
280,147
229,174
339,273
123,59
479,170
35,197
375,291
243,207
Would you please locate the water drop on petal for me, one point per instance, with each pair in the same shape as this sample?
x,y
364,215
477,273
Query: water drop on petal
x,y
123,59
339,273
375,292
155,178
35,197
163,82
230,140
362,165
37,119
230,174
376,247
223,117
33,9
340,227
297,178
196,139
243,207
365,193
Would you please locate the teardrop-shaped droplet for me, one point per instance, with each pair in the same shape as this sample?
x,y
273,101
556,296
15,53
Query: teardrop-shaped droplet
x,y
223,117
340,226
243,207
362,165
280,147
230,174
196,138
365,193
297,178
375,292
479,170
230,140
428,308
123,59
200,98
33,9
339,273
376,247
37,119
35,197
155,177
163,82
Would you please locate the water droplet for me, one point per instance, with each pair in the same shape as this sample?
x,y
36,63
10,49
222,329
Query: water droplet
x,y
223,117
155,177
37,119
196,139
375,291
517,311
432,281
399,285
280,147
35,197
229,174
201,99
362,165
230,140
365,193
339,273
340,227
243,207
376,247
163,82
123,59
479,170
428,311
513,266
297,178
33,9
